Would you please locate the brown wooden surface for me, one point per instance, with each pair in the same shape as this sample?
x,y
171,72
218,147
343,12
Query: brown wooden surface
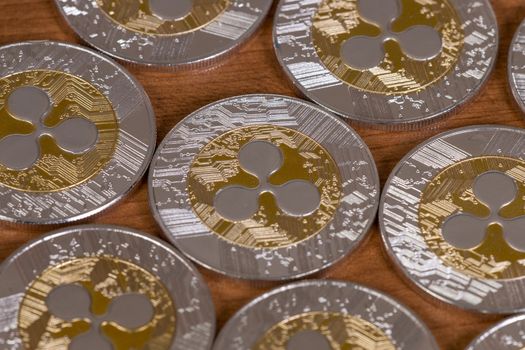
x,y
254,69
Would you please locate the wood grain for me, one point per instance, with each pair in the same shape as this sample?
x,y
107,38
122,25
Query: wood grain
x,y
254,69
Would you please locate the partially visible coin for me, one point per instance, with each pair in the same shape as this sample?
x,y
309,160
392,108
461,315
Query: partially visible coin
x,y
516,66
264,187
77,132
452,215
506,335
387,63
165,33
324,315
102,287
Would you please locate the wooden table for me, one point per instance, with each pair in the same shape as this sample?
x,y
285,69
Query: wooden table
x,y
254,69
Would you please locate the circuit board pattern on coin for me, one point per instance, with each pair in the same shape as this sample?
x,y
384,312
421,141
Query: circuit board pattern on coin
x,y
436,183
140,16
217,165
335,24
71,97
340,331
98,177
344,315
85,283
105,279
173,209
163,33
508,334
309,41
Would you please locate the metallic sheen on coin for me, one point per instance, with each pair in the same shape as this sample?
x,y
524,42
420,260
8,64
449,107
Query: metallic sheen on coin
x,y
516,66
77,132
509,334
452,215
324,315
387,62
102,287
165,33
263,187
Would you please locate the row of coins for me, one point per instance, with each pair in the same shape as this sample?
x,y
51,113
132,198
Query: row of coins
x,y
107,287
379,62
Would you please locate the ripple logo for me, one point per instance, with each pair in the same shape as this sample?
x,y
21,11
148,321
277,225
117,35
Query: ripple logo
x,y
170,10
495,190
418,42
262,159
75,135
308,340
72,302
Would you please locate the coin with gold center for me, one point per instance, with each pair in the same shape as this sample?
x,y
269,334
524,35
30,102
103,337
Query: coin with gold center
x,y
69,145
165,33
452,217
506,335
274,187
387,62
324,315
102,287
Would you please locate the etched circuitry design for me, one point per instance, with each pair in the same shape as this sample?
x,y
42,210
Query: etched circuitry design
x,y
218,166
102,283
163,17
368,45
454,194
58,161
340,331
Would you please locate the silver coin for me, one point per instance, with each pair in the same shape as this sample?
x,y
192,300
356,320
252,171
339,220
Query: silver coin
x,y
165,33
77,133
263,187
516,66
452,217
508,334
324,315
387,63
102,287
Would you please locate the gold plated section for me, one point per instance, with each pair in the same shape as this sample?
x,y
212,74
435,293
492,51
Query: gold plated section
x,y
217,166
451,191
137,16
71,97
344,332
105,278
337,21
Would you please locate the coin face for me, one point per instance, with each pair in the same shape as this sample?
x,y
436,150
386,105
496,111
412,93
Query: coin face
x,y
516,66
69,144
324,315
393,62
102,287
165,33
506,335
451,217
274,187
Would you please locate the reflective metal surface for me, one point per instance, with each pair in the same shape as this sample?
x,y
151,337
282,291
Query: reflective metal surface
x,y
451,217
507,335
263,187
324,315
50,172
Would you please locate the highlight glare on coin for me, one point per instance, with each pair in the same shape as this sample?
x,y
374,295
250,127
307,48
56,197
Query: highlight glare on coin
x,y
102,287
77,132
452,218
263,187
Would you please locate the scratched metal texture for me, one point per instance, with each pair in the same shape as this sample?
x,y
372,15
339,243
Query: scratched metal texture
x,y
298,57
172,209
401,233
195,327
135,145
509,334
403,328
217,38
